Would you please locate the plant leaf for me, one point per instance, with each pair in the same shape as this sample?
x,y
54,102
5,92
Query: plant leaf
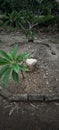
x,y
23,56
15,67
23,68
6,77
3,70
15,76
14,51
4,61
5,55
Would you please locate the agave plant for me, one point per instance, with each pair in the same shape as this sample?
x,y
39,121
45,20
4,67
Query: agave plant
x,y
11,63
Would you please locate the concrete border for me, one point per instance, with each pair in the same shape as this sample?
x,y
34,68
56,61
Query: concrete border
x,y
29,97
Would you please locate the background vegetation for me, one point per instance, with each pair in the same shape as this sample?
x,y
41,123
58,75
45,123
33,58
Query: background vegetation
x,y
18,13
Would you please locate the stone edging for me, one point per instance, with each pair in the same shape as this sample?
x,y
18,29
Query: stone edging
x,y
29,97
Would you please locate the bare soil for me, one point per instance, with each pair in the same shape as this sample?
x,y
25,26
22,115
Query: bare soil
x,y
45,79
29,116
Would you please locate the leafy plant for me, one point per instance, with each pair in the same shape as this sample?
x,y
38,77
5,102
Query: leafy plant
x,y
27,22
11,64
30,35
46,7
12,19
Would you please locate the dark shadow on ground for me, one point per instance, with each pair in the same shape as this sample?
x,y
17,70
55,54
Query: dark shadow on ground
x,y
30,116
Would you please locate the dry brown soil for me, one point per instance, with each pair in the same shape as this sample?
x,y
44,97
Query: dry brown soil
x,y
45,79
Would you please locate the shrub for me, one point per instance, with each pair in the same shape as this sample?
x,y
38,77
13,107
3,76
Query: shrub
x,y
5,6
12,19
8,6
11,64
46,7
30,35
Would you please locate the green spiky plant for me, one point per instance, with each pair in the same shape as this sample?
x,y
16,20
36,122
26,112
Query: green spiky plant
x,y
11,64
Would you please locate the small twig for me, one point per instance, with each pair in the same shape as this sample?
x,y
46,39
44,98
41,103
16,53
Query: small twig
x,y
29,24
33,106
35,25
11,111
15,107
22,26
7,106
32,25
22,74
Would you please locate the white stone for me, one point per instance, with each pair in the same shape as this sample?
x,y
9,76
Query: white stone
x,y
31,63
0,88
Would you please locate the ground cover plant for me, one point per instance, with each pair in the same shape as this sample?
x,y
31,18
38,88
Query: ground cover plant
x,y
12,63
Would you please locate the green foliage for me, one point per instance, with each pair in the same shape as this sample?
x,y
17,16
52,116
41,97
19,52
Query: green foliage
x,y
1,23
49,7
30,35
26,19
46,10
46,7
12,19
3,18
5,6
45,20
55,7
27,14
36,6
11,64
8,6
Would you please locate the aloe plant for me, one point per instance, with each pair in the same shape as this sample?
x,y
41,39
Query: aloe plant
x,y
10,65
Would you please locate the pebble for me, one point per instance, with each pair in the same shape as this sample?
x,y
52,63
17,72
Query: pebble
x,y
46,73
31,63
44,76
53,53
47,82
40,58
57,80
1,88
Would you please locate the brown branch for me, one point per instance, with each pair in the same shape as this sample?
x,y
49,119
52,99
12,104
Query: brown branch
x,y
22,27
31,25
35,25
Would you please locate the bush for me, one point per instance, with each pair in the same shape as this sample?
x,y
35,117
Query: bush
x,y
9,5
12,19
5,6
49,7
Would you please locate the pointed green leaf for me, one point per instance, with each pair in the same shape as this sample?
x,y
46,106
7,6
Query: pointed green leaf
x,y
5,55
6,77
14,51
15,76
4,61
3,70
23,56
23,68
15,67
